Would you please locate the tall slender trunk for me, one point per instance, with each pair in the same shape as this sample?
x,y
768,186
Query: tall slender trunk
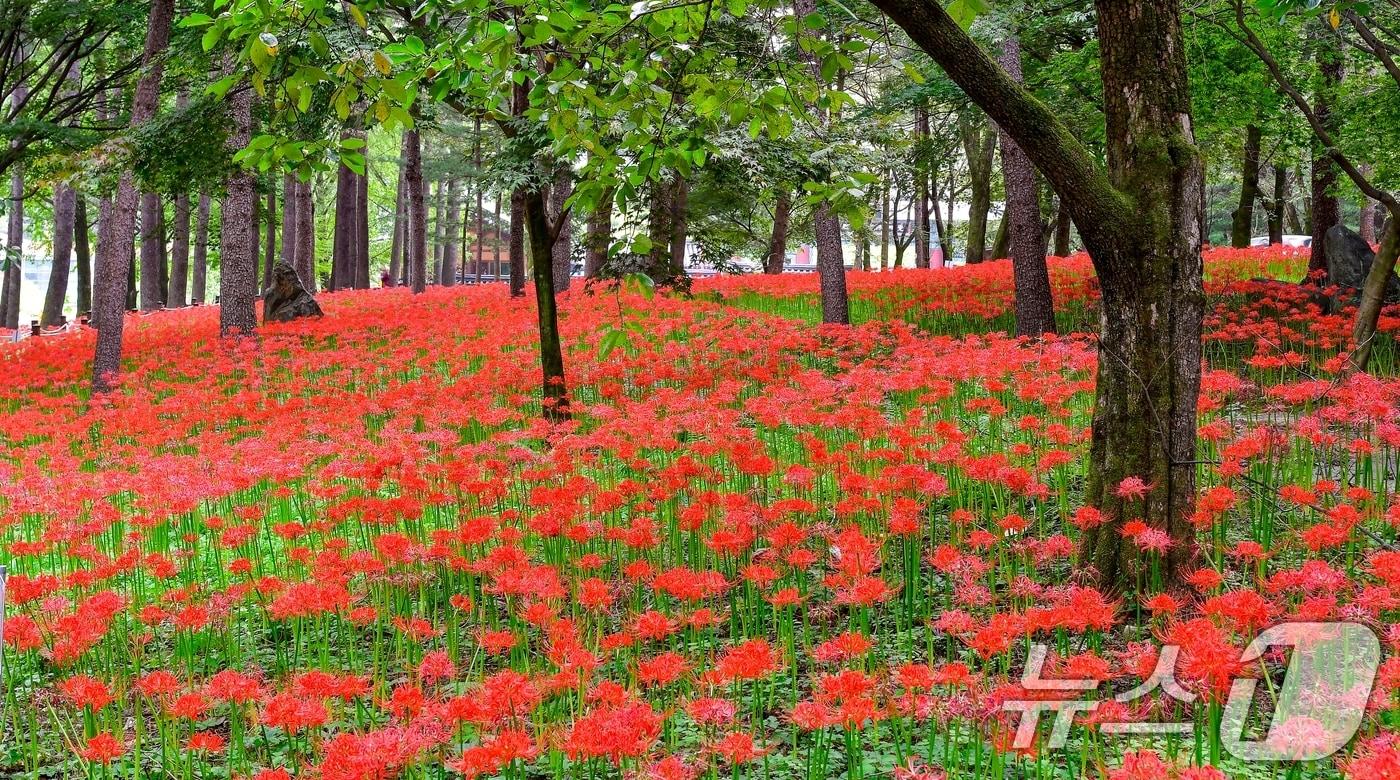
x,y
152,297
1062,228
180,253
1035,311
343,237
416,237
1326,209
361,235
554,390
439,197
884,224
1277,203
238,247
65,205
599,236
777,243
1001,241
82,249
289,219
945,244
451,252
269,238
397,243
922,235
495,237
563,249
199,271
979,144
1242,218
478,184
517,242
305,262
13,263
115,268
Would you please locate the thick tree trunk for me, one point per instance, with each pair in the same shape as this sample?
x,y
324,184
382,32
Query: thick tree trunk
x,y
979,144
343,238
199,270
1035,311
305,263
65,206
453,228
82,250
361,236
517,242
1326,209
1368,311
416,239
1277,203
562,256
238,248
1242,219
116,266
599,236
180,253
831,262
554,390
1141,222
659,231
777,243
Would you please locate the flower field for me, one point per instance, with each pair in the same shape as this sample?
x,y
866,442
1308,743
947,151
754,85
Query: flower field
x,y
761,549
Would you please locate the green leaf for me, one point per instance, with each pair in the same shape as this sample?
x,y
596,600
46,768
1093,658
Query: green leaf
x,y
640,283
196,20
965,12
210,38
611,340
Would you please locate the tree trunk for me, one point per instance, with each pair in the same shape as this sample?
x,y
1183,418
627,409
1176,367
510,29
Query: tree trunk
x,y
599,236
397,243
1368,311
1276,204
65,206
1001,241
180,253
1035,311
831,263
659,231
517,242
777,243
439,197
884,224
680,197
1242,219
1141,222
495,238
416,239
116,265
305,263
238,247
289,218
453,228
83,251
14,265
922,236
979,145
343,239
199,272
1326,210
269,239
361,235
1062,228
554,390
151,239
945,244
563,248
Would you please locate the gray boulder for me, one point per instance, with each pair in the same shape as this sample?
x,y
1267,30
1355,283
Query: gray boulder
x,y
287,299
1349,260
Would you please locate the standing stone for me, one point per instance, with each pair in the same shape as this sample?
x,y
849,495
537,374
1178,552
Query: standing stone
x,y
286,298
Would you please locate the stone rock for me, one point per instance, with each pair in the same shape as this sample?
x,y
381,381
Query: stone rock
x,y
287,299
1349,260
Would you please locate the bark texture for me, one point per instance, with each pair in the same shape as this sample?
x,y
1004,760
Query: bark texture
x,y
152,240
82,252
979,143
1242,219
305,264
199,270
555,394
65,206
1326,209
452,249
599,236
563,248
416,238
1035,311
115,267
180,253
777,242
238,246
